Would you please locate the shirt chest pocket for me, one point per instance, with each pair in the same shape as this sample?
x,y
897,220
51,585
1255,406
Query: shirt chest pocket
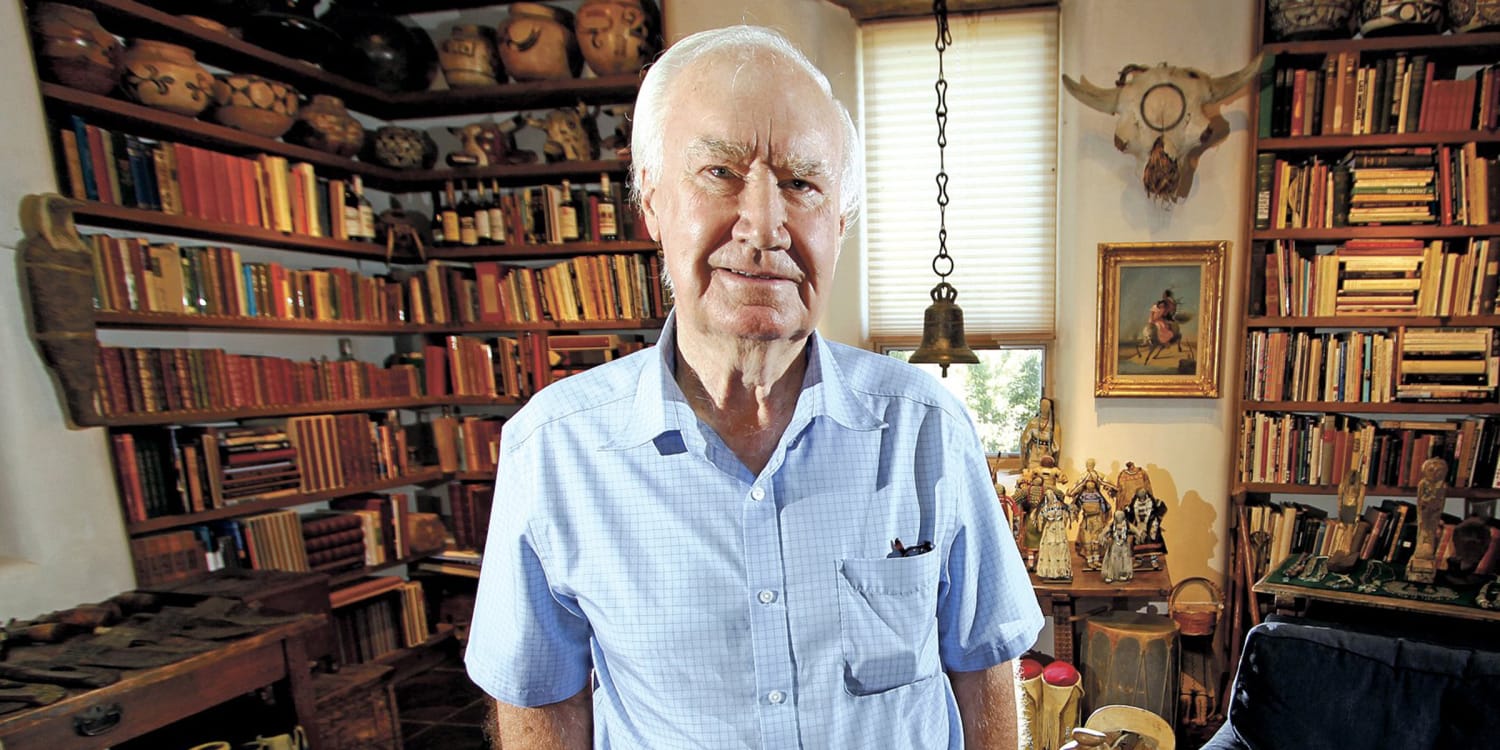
x,y
888,621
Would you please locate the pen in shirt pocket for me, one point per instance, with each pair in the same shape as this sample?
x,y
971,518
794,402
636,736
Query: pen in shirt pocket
x,y
900,550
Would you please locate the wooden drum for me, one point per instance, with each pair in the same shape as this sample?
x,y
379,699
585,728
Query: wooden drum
x,y
1131,659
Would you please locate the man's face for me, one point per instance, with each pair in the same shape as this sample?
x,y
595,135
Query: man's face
x,y
747,203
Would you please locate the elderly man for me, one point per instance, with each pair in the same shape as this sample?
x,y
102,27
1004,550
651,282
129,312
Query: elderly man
x,y
748,536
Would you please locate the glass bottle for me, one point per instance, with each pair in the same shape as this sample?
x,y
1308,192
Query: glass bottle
x,y
439,237
498,234
609,226
468,232
481,214
567,214
451,230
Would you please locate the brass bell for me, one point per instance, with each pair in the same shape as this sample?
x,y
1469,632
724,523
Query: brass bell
x,y
943,341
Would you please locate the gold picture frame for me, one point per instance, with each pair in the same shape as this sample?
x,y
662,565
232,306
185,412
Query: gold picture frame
x,y
1159,316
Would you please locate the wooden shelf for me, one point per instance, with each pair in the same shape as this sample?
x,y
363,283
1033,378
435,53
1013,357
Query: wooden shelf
x,y
1397,231
94,213
1483,44
1397,407
426,475
647,324
1471,493
349,576
533,252
1382,140
174,321
512,174
1369,321
512,97
283,410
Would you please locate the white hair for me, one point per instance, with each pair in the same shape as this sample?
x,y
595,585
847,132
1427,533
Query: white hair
x,y
647,142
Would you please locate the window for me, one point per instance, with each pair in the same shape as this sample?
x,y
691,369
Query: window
x,y
1001,159
1002,392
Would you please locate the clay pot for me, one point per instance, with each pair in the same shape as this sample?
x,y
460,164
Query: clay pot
x,y
292,31
324,124
537,43
469,57
1387,17
1312,19
74,49
254,104
402,148
380,50
616,36
1465,16
166,76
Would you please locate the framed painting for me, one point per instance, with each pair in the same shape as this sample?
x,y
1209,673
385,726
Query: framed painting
x,y
1159,313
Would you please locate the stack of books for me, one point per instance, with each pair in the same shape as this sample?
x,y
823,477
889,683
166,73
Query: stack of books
x,y
1392,186
471,513
334,541
1454,363
252,462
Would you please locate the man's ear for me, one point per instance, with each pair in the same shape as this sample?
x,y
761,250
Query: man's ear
x,y
648,207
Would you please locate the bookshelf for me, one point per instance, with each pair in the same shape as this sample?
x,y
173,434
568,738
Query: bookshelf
x,y
284,289
1368,295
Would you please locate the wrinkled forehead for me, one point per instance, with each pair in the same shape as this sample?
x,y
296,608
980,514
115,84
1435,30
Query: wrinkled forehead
x,y
761,102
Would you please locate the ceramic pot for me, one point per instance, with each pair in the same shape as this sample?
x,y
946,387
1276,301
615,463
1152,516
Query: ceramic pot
x,y
380,50
227,12
537,43
166,76
74,49
616,36
324,124
1387,17
1312,19
469,57
1473,15
399,147
295,34
256,105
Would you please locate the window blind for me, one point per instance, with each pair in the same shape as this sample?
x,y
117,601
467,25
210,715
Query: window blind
x,y
1001,160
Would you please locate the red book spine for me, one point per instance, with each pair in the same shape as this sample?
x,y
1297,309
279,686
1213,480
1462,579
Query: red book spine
x,y
101,164
187,180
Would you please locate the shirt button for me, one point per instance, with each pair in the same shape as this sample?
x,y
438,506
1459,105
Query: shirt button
x,y
776,696
757,493
766,597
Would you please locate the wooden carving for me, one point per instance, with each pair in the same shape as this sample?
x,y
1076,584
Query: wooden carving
x,y
59,284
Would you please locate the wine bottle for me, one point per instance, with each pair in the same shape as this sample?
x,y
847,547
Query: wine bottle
x,y
350,212
439,237
567,214
468,232
481,214
609,226
364,211
497,214
451,230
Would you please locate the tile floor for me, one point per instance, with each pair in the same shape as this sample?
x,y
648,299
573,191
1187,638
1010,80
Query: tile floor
x,y
441,710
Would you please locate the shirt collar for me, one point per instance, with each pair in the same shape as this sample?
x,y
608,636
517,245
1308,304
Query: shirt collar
x,y
661,407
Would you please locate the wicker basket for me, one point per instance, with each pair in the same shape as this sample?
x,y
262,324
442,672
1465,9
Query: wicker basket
x,y
357,709
1196,618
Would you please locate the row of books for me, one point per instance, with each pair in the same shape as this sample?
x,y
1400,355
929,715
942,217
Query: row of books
x,y
1310,449
132,274
387,614
1452,364
1385,531
513,366
164,471
1395,94
138,380
1442,185
469,506
1375,277
589,288
265,191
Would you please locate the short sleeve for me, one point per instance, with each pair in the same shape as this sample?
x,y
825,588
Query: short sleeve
x,y
987,611
528,643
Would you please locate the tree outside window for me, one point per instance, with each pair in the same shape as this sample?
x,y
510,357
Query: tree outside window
x,y
1002,392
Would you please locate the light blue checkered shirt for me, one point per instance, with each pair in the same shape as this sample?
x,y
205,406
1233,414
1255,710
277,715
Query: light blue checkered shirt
x,y
719,609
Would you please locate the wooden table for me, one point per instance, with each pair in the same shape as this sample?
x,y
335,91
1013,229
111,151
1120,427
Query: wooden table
x,y
1291,599
1059,598
148,699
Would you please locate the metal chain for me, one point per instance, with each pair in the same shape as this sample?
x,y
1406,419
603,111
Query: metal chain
x,y
942,264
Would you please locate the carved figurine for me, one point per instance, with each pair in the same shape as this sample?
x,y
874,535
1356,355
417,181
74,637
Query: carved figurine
x,y
1130,479
1031,529
1432,490
572,133
1144,515
1118,563
1054,555
483,144
1092,496
1041,437
1011,509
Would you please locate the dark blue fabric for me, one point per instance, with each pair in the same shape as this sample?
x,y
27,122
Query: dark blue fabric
x,y
1305,686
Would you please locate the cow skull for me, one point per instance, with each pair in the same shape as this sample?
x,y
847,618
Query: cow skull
x,y
1165,114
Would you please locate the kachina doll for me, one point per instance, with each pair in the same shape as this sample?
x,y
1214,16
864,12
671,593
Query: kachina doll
x,y
1054,554
1118,563
1093,506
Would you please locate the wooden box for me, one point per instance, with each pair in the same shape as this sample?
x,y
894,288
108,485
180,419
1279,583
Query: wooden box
x,y
357,709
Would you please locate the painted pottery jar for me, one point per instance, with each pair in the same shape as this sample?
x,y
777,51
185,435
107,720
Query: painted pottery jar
x,y
616,36
400,147
324,124
469,57
74,49
1312,19
254,104
1473,15
1386,17
378,49
166,76
537,43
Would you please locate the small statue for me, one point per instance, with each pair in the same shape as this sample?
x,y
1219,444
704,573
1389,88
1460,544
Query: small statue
x,y
1471,539
1130,479
1118,564
572,133
1012,511
1041,437
1145,512
1054,554
1432,490
484,144
1089,496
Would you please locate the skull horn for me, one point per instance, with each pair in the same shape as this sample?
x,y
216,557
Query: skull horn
x,y
1221,87
1102,99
